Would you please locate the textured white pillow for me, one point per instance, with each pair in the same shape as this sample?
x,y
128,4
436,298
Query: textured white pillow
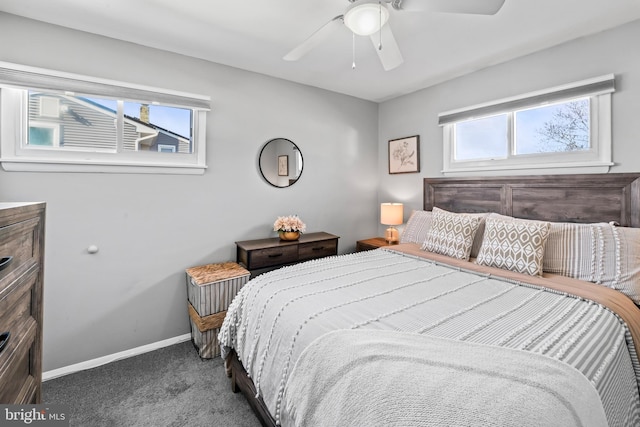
x,y
514,244
417,227
451,234
581,251
600,253
627,278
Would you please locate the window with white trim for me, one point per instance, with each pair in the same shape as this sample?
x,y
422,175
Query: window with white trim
x,y
55,121
563,127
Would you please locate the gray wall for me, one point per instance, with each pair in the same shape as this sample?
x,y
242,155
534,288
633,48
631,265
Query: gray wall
x,y
149,228
614,51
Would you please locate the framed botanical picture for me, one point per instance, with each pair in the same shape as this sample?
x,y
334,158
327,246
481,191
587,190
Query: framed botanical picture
x,y
404,155
283,165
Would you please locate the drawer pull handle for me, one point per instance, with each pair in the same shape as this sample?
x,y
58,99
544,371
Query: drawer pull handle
x,y
5,261
318,248
4,338
275,255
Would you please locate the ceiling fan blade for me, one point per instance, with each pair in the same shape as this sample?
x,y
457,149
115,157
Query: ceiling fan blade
x,y
389,55
479,7
313,40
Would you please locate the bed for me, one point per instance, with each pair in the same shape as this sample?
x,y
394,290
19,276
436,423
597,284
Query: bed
x,y
510,301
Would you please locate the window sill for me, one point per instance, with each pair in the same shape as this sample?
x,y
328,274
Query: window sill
x,y
48,165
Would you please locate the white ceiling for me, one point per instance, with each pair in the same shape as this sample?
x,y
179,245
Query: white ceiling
x,y
256,34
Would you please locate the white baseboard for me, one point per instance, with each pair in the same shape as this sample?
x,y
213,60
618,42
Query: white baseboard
x,y
94,363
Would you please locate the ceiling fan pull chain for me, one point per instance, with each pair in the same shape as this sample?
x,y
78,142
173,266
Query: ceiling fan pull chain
x,y
380,28
353,51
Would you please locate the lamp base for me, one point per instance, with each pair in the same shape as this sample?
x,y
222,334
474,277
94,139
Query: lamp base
x,y
391,236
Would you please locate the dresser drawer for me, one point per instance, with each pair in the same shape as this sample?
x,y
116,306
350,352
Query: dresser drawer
x,y
17,301
273,256
17,310
261,255
20,241
318,249
17,374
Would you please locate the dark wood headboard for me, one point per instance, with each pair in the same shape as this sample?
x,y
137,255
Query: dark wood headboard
x,y
563,198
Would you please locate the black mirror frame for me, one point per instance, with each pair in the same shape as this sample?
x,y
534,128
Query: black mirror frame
x,y
295,148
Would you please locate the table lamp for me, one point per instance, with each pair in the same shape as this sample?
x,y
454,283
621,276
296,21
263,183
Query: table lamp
x,y
391,214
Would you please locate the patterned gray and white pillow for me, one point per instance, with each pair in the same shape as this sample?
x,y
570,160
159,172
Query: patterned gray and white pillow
x,y
514,244
477,240
451,234
419,224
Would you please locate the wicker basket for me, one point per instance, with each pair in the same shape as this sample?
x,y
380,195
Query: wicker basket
x,y
210,290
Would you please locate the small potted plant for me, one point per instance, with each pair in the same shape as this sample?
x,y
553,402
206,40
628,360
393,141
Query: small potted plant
x,y
289,227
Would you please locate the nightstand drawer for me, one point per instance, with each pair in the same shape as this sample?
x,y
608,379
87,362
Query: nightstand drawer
x,y
273,256
320,249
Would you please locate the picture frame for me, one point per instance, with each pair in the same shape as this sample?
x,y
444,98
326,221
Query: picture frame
x,y
283,165
404,155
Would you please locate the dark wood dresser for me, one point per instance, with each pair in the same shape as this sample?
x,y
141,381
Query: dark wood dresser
x,y
259,256
21,275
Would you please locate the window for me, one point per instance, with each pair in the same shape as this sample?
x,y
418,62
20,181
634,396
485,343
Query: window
x,y
52,121
49,106
43,134
166,148
567,126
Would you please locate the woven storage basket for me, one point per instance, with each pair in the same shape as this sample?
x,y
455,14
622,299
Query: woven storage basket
x,y
210,290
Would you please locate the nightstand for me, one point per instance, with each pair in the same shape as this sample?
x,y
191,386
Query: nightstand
x,y
259,256
210,289
369,244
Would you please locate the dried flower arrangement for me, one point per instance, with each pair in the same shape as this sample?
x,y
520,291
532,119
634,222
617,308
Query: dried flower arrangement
x,y
289,223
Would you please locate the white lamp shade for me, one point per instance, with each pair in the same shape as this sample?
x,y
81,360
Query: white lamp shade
x,y
391,213
366,17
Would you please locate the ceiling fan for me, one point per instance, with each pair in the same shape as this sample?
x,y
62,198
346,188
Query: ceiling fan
x,y
370,18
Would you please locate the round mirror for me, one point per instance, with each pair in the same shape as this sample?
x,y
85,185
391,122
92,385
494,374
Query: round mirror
x,y
280,162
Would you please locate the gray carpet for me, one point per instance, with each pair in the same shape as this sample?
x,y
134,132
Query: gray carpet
x,y
167,387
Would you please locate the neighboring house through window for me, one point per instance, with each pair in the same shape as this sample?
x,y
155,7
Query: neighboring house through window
x,y
66,122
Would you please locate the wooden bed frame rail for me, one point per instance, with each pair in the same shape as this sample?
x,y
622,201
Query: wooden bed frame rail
x,y
240,382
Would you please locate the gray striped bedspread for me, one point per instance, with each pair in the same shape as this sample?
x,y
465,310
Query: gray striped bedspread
x,y
431,381
278,314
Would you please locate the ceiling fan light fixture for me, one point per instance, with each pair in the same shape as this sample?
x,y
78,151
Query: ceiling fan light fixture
x,y
366,17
